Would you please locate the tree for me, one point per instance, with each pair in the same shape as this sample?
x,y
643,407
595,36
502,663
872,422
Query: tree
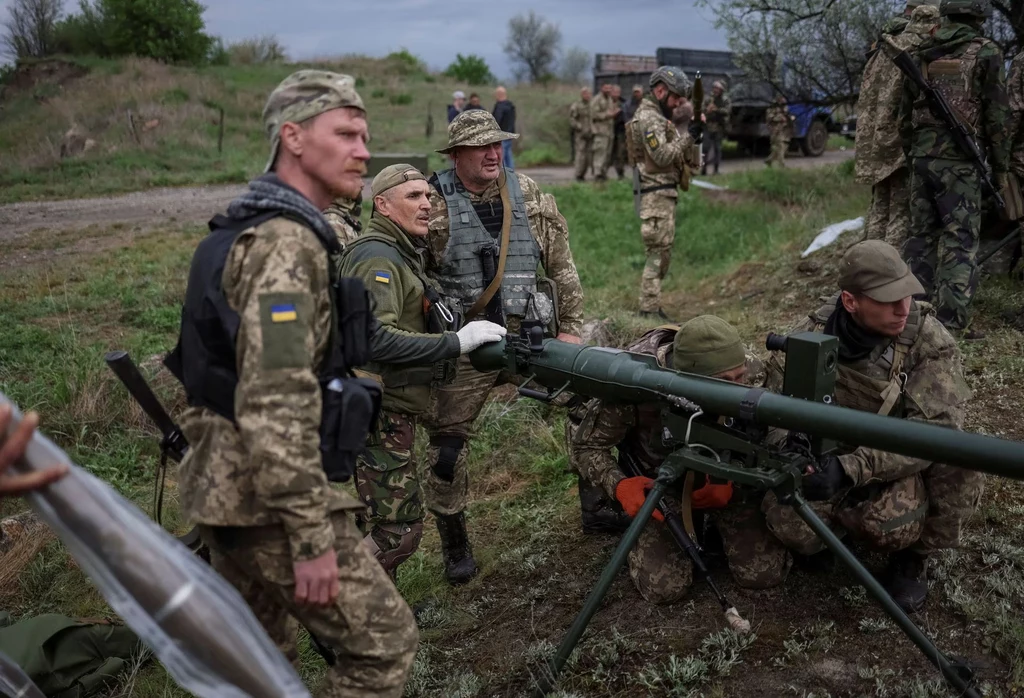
x,y
532,46
471,69
575,65
31,28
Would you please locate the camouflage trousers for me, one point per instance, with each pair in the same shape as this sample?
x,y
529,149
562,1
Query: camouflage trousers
x,y
369,625
663,573
584,154
889,216
618,154
602,154
387,482
945,223
780,146
658,230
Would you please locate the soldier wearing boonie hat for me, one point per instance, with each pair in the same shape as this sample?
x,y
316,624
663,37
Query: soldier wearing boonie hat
x,y
895,359
490,228
255,342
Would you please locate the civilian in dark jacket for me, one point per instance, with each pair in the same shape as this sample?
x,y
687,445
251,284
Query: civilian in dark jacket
x,y
474,102
505,115
457,105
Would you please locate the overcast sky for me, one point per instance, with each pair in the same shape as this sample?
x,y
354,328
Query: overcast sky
x,y
435,30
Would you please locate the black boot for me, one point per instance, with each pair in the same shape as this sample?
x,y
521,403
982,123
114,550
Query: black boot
x,y
598,513
907,580
459,565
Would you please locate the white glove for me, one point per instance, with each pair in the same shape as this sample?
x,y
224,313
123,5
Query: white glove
x,y
476,333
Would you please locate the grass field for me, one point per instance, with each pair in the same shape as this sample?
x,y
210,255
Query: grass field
x,y
736,255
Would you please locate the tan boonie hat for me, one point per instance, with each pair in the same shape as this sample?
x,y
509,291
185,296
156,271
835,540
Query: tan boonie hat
x,y
875,269
707,345
475,128
392,176
303,95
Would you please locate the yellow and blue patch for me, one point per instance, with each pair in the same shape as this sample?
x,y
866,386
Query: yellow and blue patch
x,y
652,139
284,312
383,277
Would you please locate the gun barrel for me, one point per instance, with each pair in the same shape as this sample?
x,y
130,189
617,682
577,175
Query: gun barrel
x,y
126,370
619,376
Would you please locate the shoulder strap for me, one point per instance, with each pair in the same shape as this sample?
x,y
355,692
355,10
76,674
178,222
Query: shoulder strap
x,y
506,234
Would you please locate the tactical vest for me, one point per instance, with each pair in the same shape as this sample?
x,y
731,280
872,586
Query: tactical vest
x,y
644,441
860,391
460,274
954,78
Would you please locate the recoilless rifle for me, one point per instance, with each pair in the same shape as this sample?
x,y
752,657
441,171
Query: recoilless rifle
x,y
719,428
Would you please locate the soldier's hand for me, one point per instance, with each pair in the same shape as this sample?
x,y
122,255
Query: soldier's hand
x,y
478,333
316,580
568,338
631,493
825,480
13,450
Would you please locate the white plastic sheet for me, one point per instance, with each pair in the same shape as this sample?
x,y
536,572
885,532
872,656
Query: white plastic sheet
x,y
831,233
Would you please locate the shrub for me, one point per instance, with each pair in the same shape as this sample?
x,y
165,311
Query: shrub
x,y
256,51
401,98
472,69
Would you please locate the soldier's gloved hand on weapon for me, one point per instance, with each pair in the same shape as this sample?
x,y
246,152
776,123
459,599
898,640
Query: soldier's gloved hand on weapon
x,y
478,333
631,493
697,133
825,480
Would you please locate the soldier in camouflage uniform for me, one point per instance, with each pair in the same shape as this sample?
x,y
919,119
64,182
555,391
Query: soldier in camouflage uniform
x,y
583,133
253,478
717,108
661,571
880,160
945,186
603,110
780,127
895,359
618,153
664,158
343,216
389,260
475,206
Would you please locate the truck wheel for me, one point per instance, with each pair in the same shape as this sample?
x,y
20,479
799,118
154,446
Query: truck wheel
x,y
813,144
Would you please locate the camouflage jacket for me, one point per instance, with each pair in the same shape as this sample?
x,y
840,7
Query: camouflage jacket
x,y
549,230
343,217
580,118
1015,127
879,148
663,151
717,110
603,121
779,120
980,98
268,470
934,391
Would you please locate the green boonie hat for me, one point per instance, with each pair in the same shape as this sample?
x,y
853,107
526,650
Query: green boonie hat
x,y
303,95
707,345
472,128
875,269
392,176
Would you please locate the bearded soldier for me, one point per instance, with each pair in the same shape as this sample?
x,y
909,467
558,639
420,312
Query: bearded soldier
x,y
662,158
895,359
389,260
343,217
489,230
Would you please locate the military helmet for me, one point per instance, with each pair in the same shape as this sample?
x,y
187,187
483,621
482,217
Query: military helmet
x,y
672,78
975,8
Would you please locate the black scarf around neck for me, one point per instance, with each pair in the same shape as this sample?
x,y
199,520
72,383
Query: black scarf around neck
x,y
855,342
269,193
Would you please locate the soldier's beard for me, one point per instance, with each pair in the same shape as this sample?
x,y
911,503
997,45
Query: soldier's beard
x,y
666,110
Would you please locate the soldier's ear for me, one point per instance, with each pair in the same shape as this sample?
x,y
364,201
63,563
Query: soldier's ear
x,y
849,301
292,138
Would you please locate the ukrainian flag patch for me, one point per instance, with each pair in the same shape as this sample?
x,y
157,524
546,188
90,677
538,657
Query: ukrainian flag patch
x,y
285,312
383,277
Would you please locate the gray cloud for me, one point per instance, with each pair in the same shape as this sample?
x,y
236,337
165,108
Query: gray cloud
x,y
436,30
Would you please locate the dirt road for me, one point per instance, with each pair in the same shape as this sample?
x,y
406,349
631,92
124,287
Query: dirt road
x,y
196,205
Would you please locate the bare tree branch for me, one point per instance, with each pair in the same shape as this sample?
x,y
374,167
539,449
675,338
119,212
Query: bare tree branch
x,y
532,46
31,28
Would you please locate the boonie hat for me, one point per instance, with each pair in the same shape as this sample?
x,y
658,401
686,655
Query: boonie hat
x,y
474,128
875,269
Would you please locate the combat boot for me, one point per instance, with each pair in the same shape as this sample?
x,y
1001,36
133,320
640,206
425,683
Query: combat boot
x,y
907,580
598,513
459,565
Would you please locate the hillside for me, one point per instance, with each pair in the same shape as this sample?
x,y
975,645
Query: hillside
x,y
157,125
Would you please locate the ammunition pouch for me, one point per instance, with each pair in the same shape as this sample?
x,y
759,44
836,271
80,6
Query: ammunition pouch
x,y
543,305
448,450
350,409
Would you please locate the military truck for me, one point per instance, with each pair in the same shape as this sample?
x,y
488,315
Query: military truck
x,y
750,98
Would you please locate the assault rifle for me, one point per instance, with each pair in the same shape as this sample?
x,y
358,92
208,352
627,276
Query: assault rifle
x,y
719,428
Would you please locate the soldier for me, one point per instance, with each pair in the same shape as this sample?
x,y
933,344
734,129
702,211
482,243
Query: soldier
x,y
663,158
583,133
388,258
489,229
637,96
11,451
717,108
603,111
895,359
945,185
780,125
618,159
661,571
880,159
343,216
256,340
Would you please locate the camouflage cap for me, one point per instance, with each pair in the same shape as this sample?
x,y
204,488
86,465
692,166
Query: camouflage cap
x,y
638,88
392,176
303,95
874,268
472,128
707,345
